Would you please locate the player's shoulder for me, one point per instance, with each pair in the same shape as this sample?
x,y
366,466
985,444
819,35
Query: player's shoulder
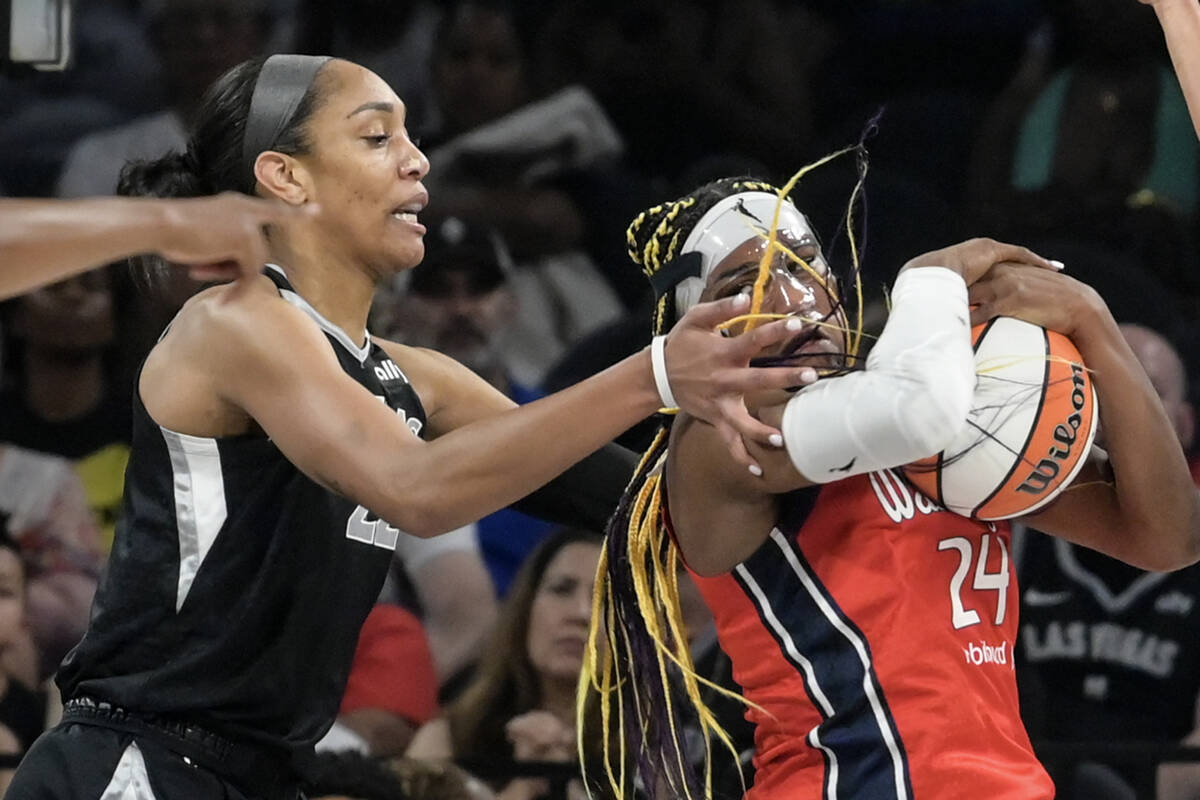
x,y
241,312
232,326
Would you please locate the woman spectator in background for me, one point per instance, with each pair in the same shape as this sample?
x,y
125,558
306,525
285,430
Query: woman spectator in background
x,y
22,710
521,703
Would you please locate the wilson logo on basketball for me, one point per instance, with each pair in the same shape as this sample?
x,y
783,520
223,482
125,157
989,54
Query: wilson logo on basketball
x,y
1029,429
1065,435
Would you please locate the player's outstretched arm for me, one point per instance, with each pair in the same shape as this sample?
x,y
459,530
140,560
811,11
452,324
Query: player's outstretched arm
x,y
262,357
1180,20
220,237
1150,515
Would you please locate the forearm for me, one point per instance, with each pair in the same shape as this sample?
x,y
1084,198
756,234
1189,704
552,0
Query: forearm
x,y
1157,524
586,494
493,462
912,399
1180,21
43,241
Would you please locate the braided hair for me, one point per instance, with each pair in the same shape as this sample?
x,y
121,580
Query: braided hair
x,y
638,675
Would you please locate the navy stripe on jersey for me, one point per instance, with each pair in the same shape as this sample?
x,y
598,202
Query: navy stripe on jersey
x,y
858,737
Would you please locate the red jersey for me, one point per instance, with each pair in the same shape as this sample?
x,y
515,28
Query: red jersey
x,y
876,630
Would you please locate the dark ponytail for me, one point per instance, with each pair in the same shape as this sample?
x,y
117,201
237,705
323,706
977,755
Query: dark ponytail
x,y
173,175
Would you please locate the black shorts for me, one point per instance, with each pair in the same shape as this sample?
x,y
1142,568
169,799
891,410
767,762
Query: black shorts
x,y
74,762
105,752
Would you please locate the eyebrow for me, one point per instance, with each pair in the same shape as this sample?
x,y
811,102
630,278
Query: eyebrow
x,y
734,274
387,108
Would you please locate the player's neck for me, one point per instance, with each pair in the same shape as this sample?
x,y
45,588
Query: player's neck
x,y
340,293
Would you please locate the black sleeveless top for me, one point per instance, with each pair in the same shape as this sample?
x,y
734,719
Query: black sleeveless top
x,y
237,586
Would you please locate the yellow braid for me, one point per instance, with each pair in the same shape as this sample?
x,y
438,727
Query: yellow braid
x,y
657,591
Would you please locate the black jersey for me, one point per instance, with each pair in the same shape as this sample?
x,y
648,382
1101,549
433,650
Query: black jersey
x,y
237,586
1106,652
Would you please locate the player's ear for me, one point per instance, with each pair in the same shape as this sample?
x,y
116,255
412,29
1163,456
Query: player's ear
x,y
283,176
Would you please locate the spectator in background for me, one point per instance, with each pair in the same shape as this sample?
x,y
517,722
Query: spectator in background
x,y
1109,652
113,76
685,79
352,776
459,302
392,689
45,508
445,582
520,705
533,169
392,38
22,710
62,397
428,780
196,41
1092,139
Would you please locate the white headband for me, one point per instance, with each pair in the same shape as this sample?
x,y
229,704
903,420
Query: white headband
x,y
725,227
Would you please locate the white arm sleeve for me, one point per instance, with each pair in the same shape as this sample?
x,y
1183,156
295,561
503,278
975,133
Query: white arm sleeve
x,y
912,399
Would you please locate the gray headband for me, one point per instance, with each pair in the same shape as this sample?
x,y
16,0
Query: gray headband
x,y
281,85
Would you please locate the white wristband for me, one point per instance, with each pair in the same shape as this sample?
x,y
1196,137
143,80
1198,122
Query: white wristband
x,y
658,360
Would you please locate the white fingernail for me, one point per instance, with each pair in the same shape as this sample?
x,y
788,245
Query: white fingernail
x,y
756,470
776,439
741,300
794,324
1058,265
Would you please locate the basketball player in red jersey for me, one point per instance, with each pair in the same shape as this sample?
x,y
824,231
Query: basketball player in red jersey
x,y
871,630
1180,20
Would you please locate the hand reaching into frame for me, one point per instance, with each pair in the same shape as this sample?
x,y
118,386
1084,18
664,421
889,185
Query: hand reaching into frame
x,y
221,238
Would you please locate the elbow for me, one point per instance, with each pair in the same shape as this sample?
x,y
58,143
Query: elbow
x,y
1175,543
419,511
420,521
1186,539
937,415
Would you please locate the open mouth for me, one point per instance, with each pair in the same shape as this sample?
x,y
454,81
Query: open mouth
x,y
409,210
810,347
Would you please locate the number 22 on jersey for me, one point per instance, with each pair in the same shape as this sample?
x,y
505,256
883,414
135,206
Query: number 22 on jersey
x,y
363,526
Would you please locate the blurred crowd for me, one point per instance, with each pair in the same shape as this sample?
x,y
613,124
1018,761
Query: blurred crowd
x,y
548,123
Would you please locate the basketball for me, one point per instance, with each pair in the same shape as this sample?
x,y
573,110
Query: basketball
x,y
1031,424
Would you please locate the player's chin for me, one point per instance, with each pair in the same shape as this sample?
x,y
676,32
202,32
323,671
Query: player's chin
x,y
403,256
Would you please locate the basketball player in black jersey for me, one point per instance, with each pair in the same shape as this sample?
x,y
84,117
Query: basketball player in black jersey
x,y
279,451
